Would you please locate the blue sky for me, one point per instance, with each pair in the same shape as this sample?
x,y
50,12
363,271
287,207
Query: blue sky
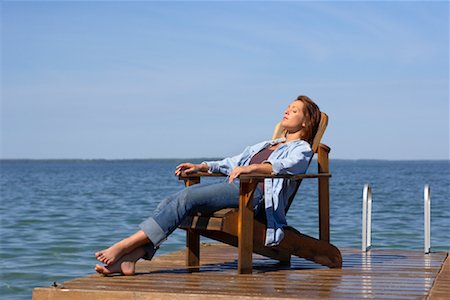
x,y
205,79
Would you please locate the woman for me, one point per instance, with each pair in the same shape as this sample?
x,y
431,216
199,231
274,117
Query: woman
x,y
289,155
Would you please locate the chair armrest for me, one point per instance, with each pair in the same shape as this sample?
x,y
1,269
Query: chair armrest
x,y
254,176
260,177
183,175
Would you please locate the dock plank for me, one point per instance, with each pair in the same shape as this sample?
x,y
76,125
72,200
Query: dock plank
x,y
441,286
380,274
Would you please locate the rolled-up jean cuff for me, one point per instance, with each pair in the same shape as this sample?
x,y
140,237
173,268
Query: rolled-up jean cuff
x,y
153,231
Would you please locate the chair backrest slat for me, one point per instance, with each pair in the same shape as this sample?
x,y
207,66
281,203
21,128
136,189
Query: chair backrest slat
x,y
320,131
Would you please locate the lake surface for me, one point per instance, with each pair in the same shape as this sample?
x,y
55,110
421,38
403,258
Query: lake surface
x,y
55,214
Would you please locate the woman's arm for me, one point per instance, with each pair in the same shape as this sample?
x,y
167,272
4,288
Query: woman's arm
x,y
264,168
226,165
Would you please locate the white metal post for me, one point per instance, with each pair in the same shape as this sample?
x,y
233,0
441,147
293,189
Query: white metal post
x,y
367,218
427,217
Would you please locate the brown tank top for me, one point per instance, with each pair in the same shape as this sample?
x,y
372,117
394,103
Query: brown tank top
x,y
259,158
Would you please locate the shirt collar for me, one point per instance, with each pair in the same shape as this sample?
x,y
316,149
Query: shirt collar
x,y
276,141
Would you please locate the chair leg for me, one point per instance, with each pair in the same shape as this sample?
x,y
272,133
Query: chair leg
x,y
324,196
192,237
286,261
245,227
192,248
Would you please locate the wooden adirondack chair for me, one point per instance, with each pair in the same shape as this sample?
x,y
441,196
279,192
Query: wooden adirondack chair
x,y
238,227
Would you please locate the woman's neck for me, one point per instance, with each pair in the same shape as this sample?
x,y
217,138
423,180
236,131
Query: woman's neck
x,y
291,136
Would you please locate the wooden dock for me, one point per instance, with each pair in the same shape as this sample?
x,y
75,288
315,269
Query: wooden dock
x,y
379,274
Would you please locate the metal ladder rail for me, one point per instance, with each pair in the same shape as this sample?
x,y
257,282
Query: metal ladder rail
x,y
367,218
427,218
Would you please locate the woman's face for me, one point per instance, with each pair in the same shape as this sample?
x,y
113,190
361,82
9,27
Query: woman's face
x,y
293,119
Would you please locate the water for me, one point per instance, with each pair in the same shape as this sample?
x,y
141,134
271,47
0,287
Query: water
x,y
56,214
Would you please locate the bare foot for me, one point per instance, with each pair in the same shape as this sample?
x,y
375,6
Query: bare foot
x,y
125,265
127,245
112,254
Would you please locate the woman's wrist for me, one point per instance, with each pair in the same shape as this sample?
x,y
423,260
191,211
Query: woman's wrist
x,y
203,167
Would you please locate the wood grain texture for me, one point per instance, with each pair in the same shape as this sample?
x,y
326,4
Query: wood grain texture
x,y
441,286
378,274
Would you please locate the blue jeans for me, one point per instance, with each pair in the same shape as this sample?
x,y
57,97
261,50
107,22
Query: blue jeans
x,y
203,198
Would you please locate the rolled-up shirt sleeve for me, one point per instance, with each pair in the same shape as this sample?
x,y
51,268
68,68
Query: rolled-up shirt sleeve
x,y
296,162
213,166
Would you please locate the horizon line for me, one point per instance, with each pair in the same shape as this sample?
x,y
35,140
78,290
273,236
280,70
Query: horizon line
x,y
202,158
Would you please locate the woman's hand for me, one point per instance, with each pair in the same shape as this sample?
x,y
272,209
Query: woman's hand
x,y
190,168
240,170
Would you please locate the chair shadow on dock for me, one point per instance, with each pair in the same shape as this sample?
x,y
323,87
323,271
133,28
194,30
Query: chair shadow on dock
x,y
380,274
258,267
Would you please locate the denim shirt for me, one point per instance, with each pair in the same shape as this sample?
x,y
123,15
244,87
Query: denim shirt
x,y
290,158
